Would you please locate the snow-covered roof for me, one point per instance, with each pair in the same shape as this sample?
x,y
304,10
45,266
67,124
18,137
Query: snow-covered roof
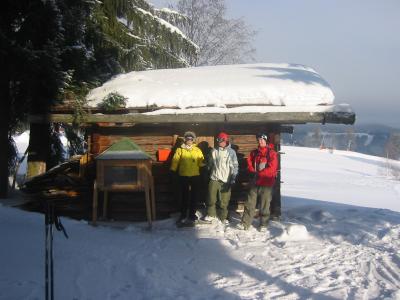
x,y
289,85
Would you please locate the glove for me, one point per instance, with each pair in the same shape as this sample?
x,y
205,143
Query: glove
x,y
261,166
253,178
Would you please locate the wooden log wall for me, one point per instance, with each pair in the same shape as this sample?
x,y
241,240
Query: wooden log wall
x,y
167,199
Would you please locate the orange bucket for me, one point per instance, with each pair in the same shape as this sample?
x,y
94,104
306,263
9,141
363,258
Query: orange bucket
x,y
163,154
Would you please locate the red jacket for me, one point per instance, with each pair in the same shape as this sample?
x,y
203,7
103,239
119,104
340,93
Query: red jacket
x,y
258,158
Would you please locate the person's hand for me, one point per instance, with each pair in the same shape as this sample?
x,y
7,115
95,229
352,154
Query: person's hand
x,y
232,180
261,166
253,177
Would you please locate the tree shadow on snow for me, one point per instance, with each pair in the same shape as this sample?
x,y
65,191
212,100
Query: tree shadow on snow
x,y
337,222
201,268
196,267
293,73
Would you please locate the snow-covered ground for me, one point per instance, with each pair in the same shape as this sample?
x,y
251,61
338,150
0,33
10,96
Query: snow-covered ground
x,y
22,143
339,239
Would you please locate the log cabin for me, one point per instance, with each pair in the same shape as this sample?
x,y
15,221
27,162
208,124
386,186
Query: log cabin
x,y
241,100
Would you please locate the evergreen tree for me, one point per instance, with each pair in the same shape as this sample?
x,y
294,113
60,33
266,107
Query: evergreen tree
x,y
31,77
56,50
138,38
108,37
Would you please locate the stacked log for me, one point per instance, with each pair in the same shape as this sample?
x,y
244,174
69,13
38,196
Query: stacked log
x,y
63,185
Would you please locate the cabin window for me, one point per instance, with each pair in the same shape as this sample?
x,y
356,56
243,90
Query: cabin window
x,y
120,175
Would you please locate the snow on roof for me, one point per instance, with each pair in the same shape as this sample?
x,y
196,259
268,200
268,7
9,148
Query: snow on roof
x,y
342,108
218,86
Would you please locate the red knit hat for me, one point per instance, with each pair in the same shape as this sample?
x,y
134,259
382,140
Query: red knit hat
x,y
223,136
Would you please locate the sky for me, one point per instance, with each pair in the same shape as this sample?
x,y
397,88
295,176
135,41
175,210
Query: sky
x,y
354,45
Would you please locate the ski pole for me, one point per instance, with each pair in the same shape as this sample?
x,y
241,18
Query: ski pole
x,y
46,251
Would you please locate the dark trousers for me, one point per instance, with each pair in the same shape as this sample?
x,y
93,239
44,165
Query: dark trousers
x,y
264,193
189,187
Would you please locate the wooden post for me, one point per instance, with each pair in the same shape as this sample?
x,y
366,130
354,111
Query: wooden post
x,y
105,205
275,207
39,149
153,198
147,195
95,201
4,159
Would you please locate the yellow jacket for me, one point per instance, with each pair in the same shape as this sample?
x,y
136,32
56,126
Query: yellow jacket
x,y
187,160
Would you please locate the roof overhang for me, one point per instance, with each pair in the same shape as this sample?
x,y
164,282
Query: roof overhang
x,y
203,118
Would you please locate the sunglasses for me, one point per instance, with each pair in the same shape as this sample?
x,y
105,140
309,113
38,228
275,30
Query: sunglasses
x,y
189,138
220,140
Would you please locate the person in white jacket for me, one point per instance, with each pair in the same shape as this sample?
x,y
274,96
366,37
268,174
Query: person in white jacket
x,y
223,166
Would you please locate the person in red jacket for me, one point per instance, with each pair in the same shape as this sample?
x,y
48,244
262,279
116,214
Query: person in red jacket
x,y
262,165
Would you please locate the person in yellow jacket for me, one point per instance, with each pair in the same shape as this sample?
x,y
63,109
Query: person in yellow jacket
x,y
187,161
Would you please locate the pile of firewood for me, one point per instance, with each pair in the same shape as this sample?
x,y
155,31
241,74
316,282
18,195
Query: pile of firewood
x,y
65,185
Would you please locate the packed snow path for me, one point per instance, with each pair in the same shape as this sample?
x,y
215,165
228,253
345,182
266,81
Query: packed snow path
x,y
328,246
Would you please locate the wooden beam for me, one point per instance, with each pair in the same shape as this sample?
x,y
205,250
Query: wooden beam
x,y
249,118
339,118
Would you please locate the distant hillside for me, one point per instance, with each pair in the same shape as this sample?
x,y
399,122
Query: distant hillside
x,y
364,138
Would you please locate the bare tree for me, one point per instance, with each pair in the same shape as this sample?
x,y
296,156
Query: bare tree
x,y
221,40
393,153
393,146
351,139
313,138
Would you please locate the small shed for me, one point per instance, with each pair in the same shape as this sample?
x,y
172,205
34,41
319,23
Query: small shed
x,y
124,167
241,100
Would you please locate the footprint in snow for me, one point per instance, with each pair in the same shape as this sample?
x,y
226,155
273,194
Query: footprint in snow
x,y
190,279
189,261
321,216
249,256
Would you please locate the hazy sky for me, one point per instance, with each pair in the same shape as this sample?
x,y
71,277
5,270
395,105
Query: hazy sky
x,y
353,44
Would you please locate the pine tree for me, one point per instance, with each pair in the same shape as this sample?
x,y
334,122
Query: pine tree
x,y
108,37
55,50
30,38
138,38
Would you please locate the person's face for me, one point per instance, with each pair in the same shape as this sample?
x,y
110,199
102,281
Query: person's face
x,y
221,143
189,141
261,142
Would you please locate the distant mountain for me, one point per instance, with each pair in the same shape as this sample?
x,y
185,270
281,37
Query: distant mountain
x,y
364,138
